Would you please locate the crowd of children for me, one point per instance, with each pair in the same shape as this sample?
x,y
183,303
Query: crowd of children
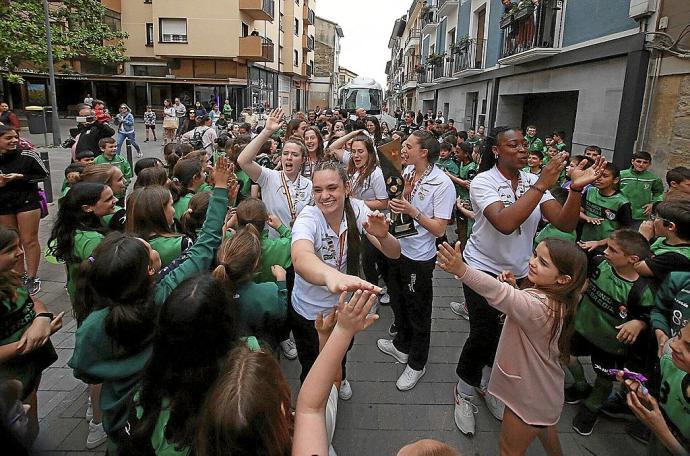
x,y
285,230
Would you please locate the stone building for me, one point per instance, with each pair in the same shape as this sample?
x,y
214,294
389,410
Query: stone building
x,y
324,85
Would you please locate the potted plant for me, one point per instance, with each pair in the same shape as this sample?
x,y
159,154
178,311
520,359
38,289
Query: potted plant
x,y
524,8
508,16
420,69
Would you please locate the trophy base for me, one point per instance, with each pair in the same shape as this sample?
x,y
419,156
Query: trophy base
x,y
403,230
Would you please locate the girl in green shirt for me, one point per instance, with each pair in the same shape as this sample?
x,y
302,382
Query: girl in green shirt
x,y
187,177
150,216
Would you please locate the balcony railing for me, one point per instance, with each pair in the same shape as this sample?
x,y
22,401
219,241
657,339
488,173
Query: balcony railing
x,y
468,56
413,38
446,6
308,42
260,10
530,29
429,20
309,16
256,48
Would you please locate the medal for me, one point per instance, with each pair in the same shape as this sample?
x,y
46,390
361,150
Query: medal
x,y
623,312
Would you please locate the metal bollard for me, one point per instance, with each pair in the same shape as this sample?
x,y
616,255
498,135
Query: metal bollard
x,y
128,148
47,183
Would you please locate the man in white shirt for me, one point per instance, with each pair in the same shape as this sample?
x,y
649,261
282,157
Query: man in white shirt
x,y
428,198
208,135
180,112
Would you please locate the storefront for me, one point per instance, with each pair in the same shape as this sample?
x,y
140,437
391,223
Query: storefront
x,y
263,88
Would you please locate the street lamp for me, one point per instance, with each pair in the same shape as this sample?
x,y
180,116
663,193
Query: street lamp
x,y
51,75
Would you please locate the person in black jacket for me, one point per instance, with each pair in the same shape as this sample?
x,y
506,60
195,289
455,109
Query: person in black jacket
x,y
20,204
90,132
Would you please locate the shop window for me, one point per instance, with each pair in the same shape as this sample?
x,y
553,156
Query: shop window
x,y
173,30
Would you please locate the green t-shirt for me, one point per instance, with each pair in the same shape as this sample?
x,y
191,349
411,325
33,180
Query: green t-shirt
x,y
245,184
85,242
641,189
182,205
614,210
527,169
170,247
672,303
449,165
609,301
205,187
262,308
550,231
274,251
120,162
466,172
160,444
119,213
535,144
16,317
666,258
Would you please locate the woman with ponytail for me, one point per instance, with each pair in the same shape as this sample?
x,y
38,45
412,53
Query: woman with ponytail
x,y
113,344
188,175
111,176
326,248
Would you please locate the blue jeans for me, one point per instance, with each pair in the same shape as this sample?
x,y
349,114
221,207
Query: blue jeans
x,y
121,138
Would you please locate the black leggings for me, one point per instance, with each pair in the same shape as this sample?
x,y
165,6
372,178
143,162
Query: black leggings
x,y
374,263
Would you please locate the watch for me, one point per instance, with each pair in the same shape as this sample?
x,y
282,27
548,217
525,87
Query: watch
x,y
45,314
416,217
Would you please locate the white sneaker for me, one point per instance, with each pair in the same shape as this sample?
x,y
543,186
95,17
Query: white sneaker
x,y
460,309
494,404
345,392
388,348
409,378
89,411
464,413
97,435
289,348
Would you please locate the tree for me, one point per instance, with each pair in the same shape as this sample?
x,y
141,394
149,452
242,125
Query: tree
x,y
79,31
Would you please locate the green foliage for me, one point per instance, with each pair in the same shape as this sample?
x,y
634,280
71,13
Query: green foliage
x,y
79,30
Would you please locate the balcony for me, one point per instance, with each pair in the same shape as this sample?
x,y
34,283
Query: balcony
x,y
309,16
443,71
307,70
447,7
468,58
256,49
413,40
410,80
259,10
308,42
429,21
530,33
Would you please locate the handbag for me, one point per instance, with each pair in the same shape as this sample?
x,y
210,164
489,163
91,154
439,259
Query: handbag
x,y
170,123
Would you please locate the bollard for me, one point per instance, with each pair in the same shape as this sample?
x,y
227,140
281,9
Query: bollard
x,y
128,148
47,183
45,134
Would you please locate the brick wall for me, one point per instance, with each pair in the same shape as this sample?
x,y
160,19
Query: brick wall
x,y
323,60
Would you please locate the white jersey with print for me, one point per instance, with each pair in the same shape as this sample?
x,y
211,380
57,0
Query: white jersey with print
x,y
275,196
487,248
310,300
372,188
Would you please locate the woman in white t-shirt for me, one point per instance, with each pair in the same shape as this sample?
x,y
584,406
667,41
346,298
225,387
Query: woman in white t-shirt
x,y
508,203
170,122
326,244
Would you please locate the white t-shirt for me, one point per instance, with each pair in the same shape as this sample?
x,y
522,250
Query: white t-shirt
x,y
310,300
208,137
487,248
434,198
275,197
373,187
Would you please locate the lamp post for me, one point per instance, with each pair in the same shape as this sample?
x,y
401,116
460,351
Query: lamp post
x,y
51,75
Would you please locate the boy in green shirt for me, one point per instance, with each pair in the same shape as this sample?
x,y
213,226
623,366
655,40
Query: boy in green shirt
x,y
642,188
612,314
534,143
671,307
534,162
467,169
446,163
109,156
678,180
550,231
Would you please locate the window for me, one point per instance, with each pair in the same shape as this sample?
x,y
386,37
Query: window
x,y
149,34
148,1
296,58
296,27
280,54
173,30
280,22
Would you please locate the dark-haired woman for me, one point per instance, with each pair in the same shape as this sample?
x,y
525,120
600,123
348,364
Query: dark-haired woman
x,y
113,344
326,248
374,129
187,177
508,205
295,127
314,142
20,208
25,329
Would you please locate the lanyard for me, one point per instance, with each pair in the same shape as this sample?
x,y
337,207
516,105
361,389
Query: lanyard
x,y
288,196
418,184
342,240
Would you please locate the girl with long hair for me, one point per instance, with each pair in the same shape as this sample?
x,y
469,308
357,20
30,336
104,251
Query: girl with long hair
x,y
326,248
295,127
373,129
535,338
25,348
187,176
170,122
315,152
113,344
151,216
193,219
20,208
111,176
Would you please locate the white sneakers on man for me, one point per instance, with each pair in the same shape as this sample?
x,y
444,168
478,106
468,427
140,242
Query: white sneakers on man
x,y
464,413
388,348
97,435
409,378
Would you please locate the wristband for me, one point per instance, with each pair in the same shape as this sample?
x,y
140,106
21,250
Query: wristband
x,y
417,217
45,314
574,190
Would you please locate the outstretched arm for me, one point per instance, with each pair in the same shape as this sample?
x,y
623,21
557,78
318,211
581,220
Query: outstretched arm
x,y
247,156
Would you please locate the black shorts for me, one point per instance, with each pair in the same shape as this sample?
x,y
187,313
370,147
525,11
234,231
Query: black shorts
x,y
28,368
580,346
15,202
150,127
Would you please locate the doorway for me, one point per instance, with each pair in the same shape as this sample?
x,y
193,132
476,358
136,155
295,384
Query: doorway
x,y
471,103
551,112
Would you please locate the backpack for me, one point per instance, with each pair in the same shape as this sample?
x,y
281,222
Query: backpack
x,y
197,141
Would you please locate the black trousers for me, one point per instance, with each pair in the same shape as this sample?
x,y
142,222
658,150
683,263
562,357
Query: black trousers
x,y
283,333
479,350
307,341
411,295
374,263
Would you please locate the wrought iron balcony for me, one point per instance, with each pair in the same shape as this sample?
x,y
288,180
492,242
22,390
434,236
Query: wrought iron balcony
x,y
468,57
256,48
413,39
529,33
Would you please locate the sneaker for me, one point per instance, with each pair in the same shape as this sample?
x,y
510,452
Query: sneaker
x,y
464,413
574,395
409,378
615,407
584,421
289,348
494,404
97,435
392,330
89,411
639,432
33,285
460,309
345,392
385,299
388,348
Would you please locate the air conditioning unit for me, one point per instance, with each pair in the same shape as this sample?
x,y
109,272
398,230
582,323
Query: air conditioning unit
x,y
642,8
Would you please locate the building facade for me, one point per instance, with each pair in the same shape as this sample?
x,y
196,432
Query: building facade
x,y
323,91
573,65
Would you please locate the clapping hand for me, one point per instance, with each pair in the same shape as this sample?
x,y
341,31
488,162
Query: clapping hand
x,y
582,177
325,324
550,173
223,169
273,221
273,120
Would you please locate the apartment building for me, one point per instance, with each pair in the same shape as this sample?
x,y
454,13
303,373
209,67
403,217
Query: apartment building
x,y
323,89
256,53
574,65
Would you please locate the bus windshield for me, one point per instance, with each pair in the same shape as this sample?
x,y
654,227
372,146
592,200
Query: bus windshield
x,y
369,99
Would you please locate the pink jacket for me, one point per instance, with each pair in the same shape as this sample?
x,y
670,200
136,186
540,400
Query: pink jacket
x,y
526,375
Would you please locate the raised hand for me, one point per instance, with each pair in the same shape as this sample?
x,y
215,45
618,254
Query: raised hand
x,y
278,272
273,120
354,316
222,172
325,324
376,225
550,173
273,221
582,177
450,259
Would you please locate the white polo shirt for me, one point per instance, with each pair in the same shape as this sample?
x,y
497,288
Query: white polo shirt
x,y
487,248
373,187
434,198
310,300
275,195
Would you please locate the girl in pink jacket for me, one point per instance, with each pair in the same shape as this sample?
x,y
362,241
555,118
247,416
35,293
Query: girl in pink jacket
x,y
527,374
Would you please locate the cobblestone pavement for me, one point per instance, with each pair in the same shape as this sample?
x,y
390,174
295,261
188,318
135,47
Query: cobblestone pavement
x,y
378,420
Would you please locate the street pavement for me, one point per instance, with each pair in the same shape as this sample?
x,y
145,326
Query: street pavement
x,y
377,420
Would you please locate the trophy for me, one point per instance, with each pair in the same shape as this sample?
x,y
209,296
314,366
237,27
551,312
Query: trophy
x,y
402,225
